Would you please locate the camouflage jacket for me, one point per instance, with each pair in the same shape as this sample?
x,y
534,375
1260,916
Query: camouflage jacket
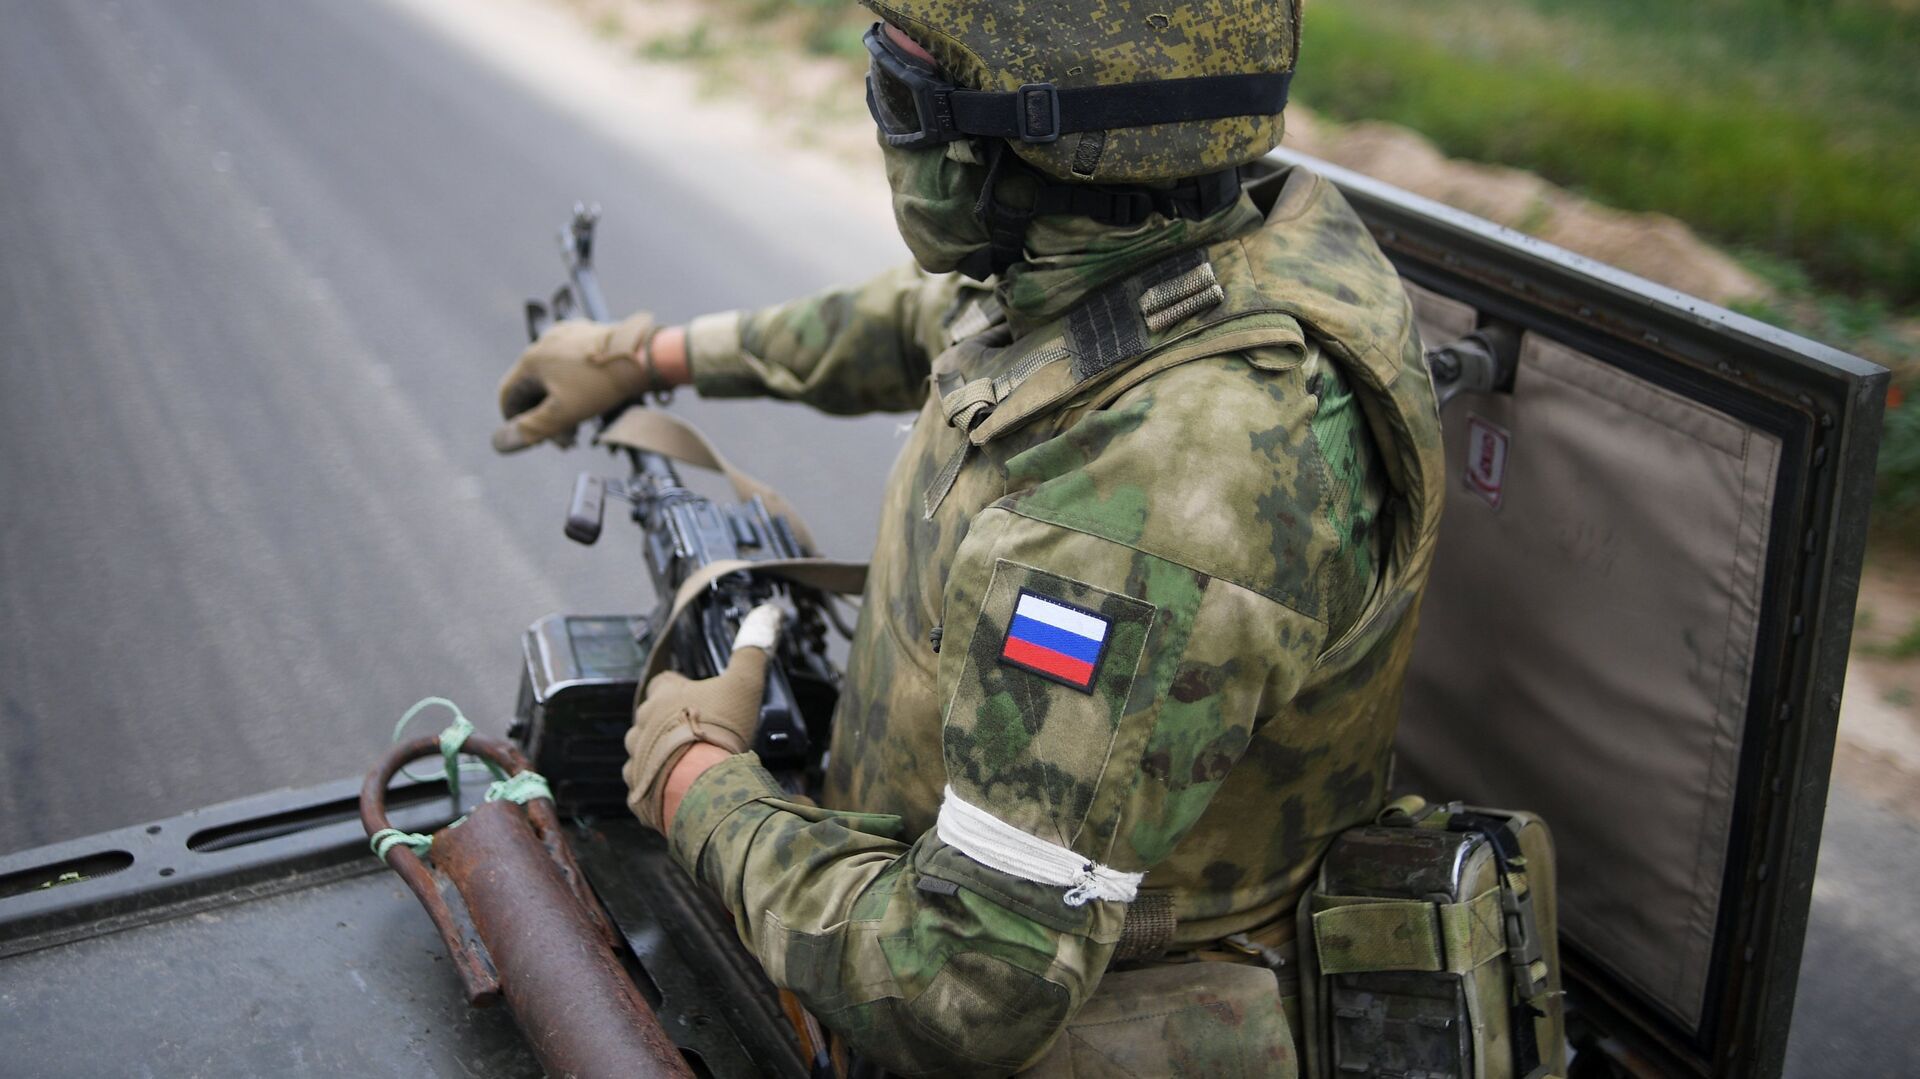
x,y
1133,639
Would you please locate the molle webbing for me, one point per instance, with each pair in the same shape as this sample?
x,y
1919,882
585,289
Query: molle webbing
x,y
1107,339
1107,331
1104,331
1148,928
1175,300
1111,326
975,317
1356,934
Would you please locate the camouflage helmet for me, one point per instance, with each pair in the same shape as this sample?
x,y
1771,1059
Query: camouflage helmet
x,y
1019,46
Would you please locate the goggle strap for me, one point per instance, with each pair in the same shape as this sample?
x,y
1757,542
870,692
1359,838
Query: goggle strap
x,y
1041,112
1193,198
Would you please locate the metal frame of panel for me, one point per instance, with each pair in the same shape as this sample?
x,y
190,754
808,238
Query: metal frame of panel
x,y
1825,406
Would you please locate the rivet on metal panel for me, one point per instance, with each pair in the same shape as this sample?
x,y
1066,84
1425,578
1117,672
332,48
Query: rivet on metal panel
x,y
1799,624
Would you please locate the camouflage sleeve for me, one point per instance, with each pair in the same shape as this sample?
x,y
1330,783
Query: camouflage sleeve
x,y
1096,698
850,350
923,960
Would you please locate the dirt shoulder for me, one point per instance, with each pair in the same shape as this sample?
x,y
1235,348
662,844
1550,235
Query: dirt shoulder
x,y
1654,246
1878,755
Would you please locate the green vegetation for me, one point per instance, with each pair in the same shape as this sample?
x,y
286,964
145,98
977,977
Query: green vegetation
x,y
1908,646
695,43
1783,125
743,41
1899,487
1865,326
1788,130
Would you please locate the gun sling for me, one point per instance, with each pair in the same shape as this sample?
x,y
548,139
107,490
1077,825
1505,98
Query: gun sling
x,y
649,431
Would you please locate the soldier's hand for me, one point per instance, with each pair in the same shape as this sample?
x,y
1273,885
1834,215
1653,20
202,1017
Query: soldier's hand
x,y
574,372
678,712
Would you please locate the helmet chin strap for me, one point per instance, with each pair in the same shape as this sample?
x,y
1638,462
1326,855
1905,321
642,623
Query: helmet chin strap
x,y
1014,194
1006,215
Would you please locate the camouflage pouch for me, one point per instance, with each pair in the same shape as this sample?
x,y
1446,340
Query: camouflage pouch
x,y
1213,1019
1428,948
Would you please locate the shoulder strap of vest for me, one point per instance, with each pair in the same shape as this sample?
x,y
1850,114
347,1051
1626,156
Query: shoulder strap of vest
x,y
1245,334
1107,341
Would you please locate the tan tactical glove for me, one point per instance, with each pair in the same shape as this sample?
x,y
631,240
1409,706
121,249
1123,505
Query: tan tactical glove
x,y
574,372
678,711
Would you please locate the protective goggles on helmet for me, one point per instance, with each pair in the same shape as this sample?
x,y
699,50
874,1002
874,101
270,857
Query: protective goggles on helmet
x,y
907,96
916,106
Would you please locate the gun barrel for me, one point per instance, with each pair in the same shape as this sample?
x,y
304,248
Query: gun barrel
x,y
576,249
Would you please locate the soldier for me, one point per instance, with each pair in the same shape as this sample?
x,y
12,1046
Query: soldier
x,y
1133,638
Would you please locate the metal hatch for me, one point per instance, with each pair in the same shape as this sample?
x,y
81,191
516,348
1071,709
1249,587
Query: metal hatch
x,y
1657,462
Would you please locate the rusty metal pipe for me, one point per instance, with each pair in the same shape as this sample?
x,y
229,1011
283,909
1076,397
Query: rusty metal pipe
x,y
516,913
580,1012
476,970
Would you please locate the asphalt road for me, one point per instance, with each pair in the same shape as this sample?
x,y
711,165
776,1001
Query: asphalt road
x,y
260,266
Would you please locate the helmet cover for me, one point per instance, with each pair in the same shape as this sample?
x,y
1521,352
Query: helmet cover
x,y
1002,45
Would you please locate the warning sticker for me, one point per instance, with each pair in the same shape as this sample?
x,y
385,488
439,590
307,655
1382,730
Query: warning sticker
x,y
1487,446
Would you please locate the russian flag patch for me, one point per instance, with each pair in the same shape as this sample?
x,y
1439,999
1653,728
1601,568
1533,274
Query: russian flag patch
x,y
1056,640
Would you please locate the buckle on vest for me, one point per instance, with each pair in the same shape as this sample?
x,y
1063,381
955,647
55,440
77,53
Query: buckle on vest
x,y
1524,954
968,405
1038,116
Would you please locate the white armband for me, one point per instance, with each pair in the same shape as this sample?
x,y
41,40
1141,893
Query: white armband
x,y
996,844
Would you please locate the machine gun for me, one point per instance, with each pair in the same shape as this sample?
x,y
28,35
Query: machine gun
x,y
581,673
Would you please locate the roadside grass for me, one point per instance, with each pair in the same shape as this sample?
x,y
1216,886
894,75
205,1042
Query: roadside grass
x,y
1905,646
1898,490
1785,125
817,27
1790,127
1784,128
1866,327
